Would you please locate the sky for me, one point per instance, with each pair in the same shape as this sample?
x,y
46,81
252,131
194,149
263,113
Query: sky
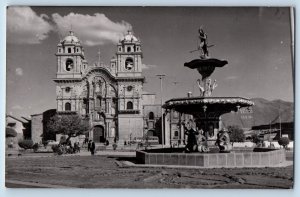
x,y
256,42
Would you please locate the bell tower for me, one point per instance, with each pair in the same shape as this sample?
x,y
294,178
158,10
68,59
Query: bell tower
x,y
70,57
129,56
130,85
70,66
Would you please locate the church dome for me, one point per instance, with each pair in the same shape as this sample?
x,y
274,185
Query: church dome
x,y
129,37
71,38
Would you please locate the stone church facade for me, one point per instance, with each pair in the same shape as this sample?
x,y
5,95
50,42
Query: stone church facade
x,y
110,95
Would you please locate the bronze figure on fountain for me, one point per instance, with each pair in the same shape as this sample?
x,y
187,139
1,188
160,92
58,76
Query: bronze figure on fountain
x,y
223,141
190,131
196,141
203,47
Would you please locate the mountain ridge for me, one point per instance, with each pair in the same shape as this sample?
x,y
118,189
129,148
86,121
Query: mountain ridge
x,y
263,112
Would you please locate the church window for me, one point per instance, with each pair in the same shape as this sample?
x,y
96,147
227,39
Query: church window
x,y
120,49
69,64
85,101
98,101
98,116
68,89
151,116
175,114
129,63
176,133
68,107
129,105
128,49
129,88
77,49
69,50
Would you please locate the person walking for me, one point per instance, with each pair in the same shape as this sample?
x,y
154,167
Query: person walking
x,y
92,148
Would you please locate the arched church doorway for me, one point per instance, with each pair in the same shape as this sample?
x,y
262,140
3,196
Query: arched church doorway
x,y
98,134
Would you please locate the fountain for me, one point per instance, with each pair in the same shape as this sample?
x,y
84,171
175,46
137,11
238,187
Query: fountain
x,y
208,143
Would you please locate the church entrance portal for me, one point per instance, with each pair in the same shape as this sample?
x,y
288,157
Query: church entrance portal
x,y
99,135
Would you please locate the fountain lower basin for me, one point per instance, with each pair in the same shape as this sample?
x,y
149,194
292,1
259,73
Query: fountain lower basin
x,y
175,156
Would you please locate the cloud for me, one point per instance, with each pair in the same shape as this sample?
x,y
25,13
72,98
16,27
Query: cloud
x,y
250,94
9,81
19,71
17,107
24,26
146,67
91,30
231,77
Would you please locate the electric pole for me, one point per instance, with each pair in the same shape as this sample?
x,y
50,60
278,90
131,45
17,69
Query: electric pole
x,y
161,76
279,123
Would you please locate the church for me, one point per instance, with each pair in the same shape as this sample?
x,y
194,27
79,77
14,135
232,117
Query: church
x,y
109,95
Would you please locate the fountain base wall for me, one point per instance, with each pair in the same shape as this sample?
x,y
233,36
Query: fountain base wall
x,y
271,158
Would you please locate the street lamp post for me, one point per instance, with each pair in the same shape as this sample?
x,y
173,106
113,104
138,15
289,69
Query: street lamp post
x,y
279,122
161,76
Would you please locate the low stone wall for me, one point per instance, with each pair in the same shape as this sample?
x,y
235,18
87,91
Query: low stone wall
x,y
217,160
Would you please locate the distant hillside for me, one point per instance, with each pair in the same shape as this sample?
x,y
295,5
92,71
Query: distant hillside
x,y
263,112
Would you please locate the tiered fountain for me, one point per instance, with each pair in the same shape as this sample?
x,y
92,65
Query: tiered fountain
x,y
207,133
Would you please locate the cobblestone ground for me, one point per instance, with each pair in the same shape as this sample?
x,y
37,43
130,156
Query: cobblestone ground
x,y
103,172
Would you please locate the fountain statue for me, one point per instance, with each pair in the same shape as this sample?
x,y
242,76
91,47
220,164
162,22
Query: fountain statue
x,y
190,131
206,109
203,48
223,141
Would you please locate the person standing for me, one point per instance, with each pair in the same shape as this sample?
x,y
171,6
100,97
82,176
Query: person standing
x,y
92,148
89,145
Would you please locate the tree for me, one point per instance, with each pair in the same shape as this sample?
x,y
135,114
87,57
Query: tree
x,y
10,132
70,125
256,139
236,134
48,135
26,144
284,141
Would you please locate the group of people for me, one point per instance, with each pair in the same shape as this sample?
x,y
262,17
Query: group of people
x,y
76,147
197,140
91,147
67,147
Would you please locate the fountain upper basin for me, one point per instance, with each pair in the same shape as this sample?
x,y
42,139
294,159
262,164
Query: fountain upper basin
x,y
192,105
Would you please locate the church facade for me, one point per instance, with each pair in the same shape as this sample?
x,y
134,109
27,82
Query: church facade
x,y
109,95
